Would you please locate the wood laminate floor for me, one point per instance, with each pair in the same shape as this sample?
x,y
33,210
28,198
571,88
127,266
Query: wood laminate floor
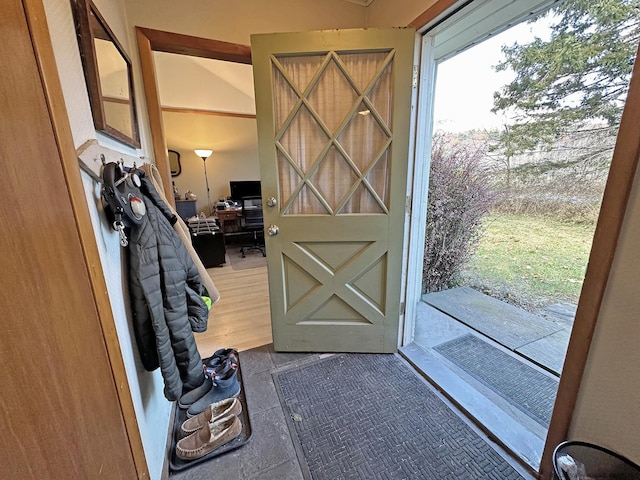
x,y
241,318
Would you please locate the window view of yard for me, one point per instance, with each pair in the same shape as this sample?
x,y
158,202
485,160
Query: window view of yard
x,y
525,123
521,153
530,261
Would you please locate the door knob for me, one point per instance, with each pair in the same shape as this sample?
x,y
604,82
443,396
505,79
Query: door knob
x,y
271,202
273,230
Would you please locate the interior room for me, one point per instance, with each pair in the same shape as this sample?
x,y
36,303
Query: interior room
x,y
210,104
59,127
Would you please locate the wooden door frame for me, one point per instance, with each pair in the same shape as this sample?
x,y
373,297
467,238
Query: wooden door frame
x,y
150,40
612,212
43,50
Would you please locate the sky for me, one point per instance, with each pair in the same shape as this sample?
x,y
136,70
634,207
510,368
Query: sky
x,y
466,82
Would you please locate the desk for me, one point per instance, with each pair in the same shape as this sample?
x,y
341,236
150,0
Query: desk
x,y
229,219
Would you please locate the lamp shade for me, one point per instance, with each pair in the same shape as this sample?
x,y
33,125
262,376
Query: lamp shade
x,y
203,153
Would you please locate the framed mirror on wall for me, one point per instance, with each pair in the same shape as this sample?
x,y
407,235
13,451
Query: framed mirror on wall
x,y
174,163
108,74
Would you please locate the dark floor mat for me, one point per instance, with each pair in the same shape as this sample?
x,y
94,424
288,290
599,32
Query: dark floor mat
x,y
360,416
531,391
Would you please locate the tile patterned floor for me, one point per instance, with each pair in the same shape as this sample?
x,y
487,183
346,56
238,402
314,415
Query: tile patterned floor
x,y
270,454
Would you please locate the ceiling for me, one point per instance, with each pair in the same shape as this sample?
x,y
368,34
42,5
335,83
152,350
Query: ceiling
x,y
199,84
204,84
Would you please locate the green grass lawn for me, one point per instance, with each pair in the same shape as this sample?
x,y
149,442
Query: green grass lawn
x,y
530,261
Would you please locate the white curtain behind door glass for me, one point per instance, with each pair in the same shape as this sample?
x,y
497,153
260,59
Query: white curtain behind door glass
x,y
350,122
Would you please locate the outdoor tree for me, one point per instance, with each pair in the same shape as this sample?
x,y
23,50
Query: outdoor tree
x,y
574,81
504,146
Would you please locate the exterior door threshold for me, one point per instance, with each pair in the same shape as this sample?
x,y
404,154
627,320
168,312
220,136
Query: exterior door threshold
x,y
522,442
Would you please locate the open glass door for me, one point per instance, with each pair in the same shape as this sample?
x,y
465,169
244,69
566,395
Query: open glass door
x,y
333,113
506,384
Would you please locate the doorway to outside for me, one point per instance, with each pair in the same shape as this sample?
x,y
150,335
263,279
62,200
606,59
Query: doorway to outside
x,y
493,327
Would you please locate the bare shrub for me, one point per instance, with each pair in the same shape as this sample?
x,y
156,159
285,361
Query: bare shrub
x,y
460,195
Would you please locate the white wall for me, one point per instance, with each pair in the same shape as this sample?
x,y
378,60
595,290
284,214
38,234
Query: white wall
x,y
609,400
204,84
152,409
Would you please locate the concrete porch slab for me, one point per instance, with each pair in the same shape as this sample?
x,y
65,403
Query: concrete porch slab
x,y
506,324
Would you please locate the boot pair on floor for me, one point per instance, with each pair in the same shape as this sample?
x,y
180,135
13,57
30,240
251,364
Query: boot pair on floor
x,y
212,408
220,382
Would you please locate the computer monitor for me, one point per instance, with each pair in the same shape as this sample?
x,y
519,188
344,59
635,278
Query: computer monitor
x,y
244,188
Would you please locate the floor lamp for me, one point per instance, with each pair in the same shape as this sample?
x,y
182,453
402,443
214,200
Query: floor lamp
x,y
204,154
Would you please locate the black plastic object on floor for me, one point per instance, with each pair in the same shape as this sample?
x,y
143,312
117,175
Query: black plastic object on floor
x,y
177,464
591,461
210,248
369,416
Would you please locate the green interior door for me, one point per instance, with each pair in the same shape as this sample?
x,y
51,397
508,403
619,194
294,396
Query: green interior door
x,y
333,113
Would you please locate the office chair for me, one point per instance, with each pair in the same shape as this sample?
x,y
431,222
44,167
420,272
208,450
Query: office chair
x,y
252,221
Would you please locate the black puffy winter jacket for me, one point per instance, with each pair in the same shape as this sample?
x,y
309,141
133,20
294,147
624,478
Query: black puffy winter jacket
x,y
165,294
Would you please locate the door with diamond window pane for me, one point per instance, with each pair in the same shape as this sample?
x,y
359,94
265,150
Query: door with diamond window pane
x,y
333,113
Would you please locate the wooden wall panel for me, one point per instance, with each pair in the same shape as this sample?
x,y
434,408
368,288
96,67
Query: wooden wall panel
x,y
59,406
